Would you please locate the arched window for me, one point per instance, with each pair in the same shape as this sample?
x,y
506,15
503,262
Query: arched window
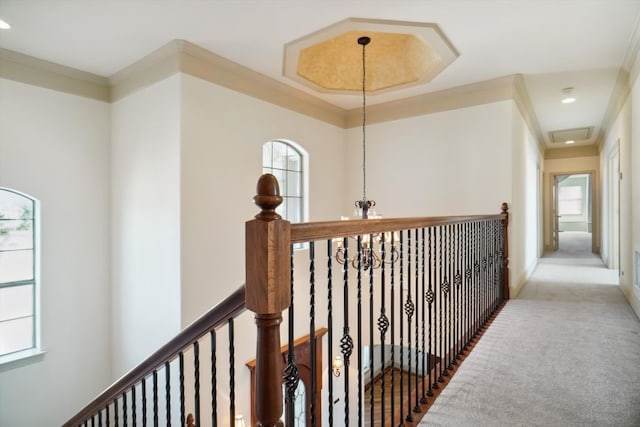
x,y
288,162
18,312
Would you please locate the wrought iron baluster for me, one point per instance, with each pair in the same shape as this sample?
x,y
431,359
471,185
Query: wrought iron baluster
x,y
116,414
167,388
329,325
370,260
182,406
144,403
439,303
346,342
392,283
107,420
100,419
232,374
409,310
134,415
429,296
458,281
416,328
155,398
196,381
214,379
383,326
401,310
312,326
423,399
447,300
291,376
124,409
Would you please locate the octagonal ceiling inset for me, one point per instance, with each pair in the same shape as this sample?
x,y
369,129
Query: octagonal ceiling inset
x,y
400,54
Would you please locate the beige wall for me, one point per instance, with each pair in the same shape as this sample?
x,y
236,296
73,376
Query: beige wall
x,y
554,167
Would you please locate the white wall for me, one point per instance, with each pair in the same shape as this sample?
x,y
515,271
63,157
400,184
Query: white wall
x,y
55,147
222,137
625,130
524,209
633,277
145,193
465,161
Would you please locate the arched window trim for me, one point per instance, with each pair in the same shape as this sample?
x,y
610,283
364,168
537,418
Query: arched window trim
x,y
304,156
9,360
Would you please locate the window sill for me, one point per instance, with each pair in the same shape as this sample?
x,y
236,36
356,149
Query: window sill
x,y
21,358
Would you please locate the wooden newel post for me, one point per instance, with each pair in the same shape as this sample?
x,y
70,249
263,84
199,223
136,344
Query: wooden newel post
x,y
268,293
505,222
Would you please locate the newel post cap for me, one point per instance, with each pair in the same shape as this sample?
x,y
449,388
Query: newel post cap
x,y
268,252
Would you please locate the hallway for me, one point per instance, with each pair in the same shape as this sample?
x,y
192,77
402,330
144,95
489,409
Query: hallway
x,y
566,352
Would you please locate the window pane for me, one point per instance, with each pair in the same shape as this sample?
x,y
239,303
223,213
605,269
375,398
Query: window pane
x,y
281,176
570,200
294,160
16,265
16,335
279,155
15,206
293,209
16,234
294,184
16,301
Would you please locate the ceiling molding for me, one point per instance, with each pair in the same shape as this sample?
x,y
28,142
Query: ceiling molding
x,y
37,72
630,62
213,68
182,56
480,93
523,102
158,65
570,152
619,95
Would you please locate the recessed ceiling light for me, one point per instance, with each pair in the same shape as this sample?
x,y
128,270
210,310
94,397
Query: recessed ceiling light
x,y
571,141
568,95
568,100
4,25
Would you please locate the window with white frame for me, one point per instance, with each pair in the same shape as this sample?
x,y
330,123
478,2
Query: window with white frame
x,y
18,316
287,162
570,200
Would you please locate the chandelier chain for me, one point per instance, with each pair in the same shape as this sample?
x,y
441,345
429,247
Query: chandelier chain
x,y
364,123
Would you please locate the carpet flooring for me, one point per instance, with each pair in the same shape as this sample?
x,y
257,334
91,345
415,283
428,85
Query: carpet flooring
x,y
566,352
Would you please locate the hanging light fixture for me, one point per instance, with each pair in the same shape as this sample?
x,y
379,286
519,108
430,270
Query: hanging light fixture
x,y
365,208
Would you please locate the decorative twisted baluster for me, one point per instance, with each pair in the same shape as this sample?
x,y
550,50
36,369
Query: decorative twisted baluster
x,y
346,342
383,326
417,408
409,309
232,375
155,398
423,399
330,325
167,392
360,266
214,379
196,382
430,298
144,404
134,415
312,325
291,376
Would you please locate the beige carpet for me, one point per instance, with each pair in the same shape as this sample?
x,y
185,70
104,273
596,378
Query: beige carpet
x,y
566,352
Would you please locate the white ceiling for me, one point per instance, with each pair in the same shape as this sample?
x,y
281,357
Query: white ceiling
x,y
553,43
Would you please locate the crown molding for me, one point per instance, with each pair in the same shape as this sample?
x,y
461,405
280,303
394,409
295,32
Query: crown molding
x,y
619,95
523,102
37,72
180,56
154,67
486,92
208,66
570,152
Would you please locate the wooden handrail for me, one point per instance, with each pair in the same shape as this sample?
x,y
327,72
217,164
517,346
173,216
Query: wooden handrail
x,y
229,308
310,231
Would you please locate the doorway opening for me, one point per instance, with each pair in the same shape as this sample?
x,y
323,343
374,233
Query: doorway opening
x,y
573,213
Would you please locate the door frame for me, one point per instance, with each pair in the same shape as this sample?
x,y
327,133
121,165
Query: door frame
x,y
593,200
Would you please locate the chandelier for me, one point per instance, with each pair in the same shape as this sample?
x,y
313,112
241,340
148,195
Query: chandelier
x,y
365,208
